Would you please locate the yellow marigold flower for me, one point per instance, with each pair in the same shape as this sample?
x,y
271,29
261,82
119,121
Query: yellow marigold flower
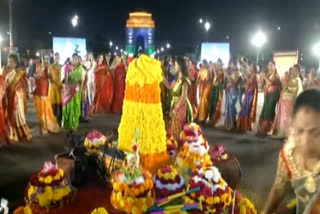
x,y
27,210
56,177
43,200
86,143
31,191
210,200
61,172
41,179
100,210
134,210
119,196
66,191
58,194
216,200
48,180
122,203
144,208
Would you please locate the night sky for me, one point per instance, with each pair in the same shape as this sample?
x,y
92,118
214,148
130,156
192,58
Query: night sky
x,y
176,22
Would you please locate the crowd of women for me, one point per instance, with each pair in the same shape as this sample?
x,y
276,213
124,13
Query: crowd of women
x,y
63,95
236,97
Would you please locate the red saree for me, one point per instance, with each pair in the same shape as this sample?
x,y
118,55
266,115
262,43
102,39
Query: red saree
x,y
119,86
4,136
17,96
104,89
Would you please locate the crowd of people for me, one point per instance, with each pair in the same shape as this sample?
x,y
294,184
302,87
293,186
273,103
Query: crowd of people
x,y
63,95
237,97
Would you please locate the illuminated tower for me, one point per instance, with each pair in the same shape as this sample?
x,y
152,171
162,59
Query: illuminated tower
x,y
140,33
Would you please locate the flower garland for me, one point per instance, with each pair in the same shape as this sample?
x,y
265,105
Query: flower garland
x,y
48,188
93,142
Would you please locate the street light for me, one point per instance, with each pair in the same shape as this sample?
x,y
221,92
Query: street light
x,y
258,40
110,43
168,45
37,54
200,21
162,49
117,48
74,21
207,26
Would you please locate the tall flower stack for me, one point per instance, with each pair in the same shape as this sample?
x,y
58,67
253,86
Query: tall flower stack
x,y
142,110
48,188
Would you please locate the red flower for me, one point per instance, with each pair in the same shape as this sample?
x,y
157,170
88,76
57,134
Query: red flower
x,y
166,169
33,179
216,152
135,147
206,192
177,179
164,192
53,172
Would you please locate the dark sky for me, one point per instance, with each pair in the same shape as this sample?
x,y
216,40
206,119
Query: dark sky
x,y
176,21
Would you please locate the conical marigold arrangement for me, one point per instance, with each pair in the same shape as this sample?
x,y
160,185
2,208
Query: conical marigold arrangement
x,y
142,111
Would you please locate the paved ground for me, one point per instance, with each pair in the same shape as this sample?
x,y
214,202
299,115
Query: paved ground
x,y
257,157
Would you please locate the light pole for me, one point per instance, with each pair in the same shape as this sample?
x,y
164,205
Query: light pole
x,y
10,24
168,45
258,40
1,39
316,52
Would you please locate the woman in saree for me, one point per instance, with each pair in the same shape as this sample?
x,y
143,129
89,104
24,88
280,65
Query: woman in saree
x,y
232,96
216,96
119,85
182,110
4,131
272,95
299,159
55,89
291,88
48,122
71,95
85,98
247,115
103,76
205,85
17,101
192,94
